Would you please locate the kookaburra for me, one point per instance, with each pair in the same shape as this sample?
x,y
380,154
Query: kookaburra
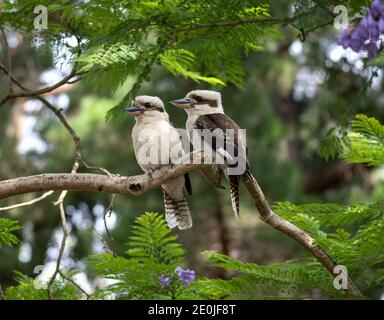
x,y
157,143
206,114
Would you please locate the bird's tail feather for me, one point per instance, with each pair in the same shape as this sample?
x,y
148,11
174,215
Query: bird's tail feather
x,y
247,176
177,213
234,191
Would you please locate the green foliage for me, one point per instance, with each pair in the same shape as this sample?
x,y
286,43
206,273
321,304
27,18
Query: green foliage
x,y
363,142
31,289
118,54
352,235
378,61
201,40
287,279
152,241
333,143
180,61
7,226
153,253
366,142
359,247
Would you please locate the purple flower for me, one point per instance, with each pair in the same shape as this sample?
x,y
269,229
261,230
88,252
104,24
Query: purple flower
x,y
186,276
164,281
372,50
365,35
343,39
377,8
381,25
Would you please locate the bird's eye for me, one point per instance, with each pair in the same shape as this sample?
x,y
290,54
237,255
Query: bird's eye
x,y
198,98
147,104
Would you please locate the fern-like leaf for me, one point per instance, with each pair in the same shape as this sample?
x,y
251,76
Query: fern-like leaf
x,y
7,226
366,142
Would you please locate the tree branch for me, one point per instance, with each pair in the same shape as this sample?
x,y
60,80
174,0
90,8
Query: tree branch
x,y
137,185
269,217
27,203
282,21
31,93
2,296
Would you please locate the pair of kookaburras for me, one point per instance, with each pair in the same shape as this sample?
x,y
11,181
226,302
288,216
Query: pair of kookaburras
x,y
154,133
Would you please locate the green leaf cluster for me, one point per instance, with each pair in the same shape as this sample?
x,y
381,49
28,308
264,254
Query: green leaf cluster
x,y
7,227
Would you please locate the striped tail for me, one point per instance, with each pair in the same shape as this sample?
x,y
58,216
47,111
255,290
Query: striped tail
x,y
247,176
177,213
234,191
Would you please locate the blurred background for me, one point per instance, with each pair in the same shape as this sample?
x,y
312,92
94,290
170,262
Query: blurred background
x,y
294,92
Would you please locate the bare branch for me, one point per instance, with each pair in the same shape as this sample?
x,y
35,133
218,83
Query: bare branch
x,y
62,246
9,60
138,185
27,203
278,223
108,212
75,284
76,140
2,296
135,185
100,238
31,93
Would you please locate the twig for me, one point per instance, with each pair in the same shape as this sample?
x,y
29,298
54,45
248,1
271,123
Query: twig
x,y
138,185
60,200
283,21
76,140
87,166
62,246
26,92
76,164
7,49
108,212
27,203
2,296
101,239
75,284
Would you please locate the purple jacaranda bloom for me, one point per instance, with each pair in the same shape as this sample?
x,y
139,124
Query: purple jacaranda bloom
x,y
164,281
377,8
365,35
355,42
371,22
381,25
343,39
186,276
372,50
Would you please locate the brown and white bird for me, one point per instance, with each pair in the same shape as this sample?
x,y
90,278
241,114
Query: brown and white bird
x,y
205,113
157,143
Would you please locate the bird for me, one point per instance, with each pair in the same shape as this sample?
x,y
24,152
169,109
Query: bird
x,y
156,143
206,114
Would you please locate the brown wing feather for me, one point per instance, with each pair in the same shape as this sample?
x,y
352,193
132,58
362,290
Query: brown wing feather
x,y
220,120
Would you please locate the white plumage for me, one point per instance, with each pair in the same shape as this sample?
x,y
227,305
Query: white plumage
x,y
206,113
157,143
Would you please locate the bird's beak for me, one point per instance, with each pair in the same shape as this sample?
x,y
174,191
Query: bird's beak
x,y
183,103
135,110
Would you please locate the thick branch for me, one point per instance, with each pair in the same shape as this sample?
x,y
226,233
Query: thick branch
x,y
279,223
135,185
